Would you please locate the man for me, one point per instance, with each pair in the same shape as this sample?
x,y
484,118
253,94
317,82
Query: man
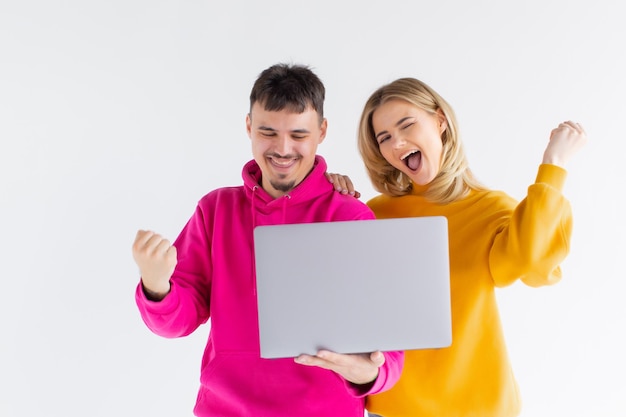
x,y
209,271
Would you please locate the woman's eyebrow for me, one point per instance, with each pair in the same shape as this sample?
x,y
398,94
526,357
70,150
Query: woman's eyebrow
x,y
398,123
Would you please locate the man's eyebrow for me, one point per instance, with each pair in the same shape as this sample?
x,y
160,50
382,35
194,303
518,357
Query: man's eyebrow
x,y
398,123
271,129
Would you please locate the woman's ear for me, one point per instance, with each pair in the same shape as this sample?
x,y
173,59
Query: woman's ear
x,y
443,122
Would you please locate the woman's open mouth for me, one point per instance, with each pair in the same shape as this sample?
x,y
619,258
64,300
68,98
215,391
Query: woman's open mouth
x,y
412,160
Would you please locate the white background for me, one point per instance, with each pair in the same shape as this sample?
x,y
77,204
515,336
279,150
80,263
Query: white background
x,y
119,115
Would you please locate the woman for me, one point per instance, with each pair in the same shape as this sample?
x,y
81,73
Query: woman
x,y
409,141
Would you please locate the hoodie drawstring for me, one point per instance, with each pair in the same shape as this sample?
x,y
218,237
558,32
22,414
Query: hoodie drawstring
x,y
253,277
284,198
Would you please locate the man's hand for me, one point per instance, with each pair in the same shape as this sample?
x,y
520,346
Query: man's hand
x,y
156,259
356,368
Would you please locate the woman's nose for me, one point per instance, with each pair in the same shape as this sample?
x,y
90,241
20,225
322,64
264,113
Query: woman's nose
x,y
398,141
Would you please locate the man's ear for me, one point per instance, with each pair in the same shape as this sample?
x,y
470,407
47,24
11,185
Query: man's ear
x,y
323,129
249,125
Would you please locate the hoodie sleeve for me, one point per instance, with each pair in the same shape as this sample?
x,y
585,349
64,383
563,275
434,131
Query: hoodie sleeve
x,y
388,375
536,238
187,304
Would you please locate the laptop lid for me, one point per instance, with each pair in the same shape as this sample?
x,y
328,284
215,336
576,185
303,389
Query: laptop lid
x,y
353,286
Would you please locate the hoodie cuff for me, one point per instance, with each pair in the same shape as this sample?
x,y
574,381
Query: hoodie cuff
x,y
552,175
360,391
167,305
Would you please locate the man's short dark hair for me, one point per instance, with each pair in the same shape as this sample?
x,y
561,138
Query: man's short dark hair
x,y
291,87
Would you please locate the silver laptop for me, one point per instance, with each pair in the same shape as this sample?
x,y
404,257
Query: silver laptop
x,y
353,286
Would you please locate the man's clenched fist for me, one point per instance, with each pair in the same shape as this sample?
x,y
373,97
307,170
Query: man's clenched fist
x,y
156,259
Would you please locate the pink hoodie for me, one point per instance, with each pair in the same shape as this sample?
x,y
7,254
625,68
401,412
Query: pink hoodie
x,y
215,278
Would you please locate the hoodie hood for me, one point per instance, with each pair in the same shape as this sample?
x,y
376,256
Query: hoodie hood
x,y
311,188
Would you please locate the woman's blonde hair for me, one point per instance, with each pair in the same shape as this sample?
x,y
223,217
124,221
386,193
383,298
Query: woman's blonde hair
x,y
454,179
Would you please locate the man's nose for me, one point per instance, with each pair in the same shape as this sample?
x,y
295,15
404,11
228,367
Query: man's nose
x,y
282,146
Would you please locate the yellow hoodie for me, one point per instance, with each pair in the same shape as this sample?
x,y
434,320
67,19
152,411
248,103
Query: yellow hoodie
x,y
494,241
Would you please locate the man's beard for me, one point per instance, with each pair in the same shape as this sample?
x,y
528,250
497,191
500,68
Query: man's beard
x,y
283,186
